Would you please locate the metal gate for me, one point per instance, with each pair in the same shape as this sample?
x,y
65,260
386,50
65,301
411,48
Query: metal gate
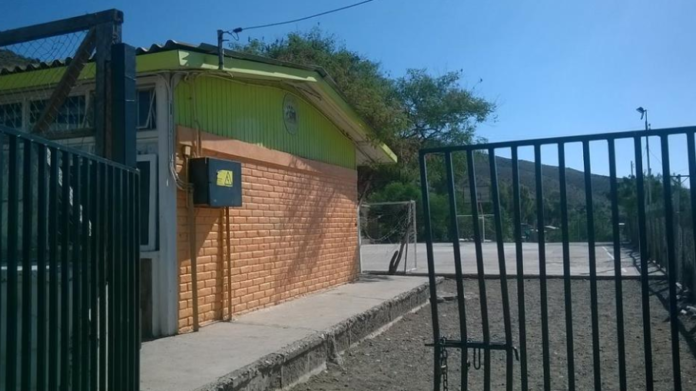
x,y
69,250
458,164
69,219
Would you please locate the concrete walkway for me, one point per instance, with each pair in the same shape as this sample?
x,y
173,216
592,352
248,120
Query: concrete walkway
x,y
262,349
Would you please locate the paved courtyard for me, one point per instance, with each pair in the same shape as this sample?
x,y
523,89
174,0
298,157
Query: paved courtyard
x,y
376,257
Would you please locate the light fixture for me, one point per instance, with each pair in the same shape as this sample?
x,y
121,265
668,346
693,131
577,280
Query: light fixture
x,y
642,111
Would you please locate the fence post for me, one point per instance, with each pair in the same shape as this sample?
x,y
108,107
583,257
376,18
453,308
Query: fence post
x,y
123,122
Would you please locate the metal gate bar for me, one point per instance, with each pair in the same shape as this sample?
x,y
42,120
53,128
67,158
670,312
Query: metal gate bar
x,y
437,370
672,262
589,210
441,343
480,271
567,290
458,271
503,270
546,355
517,216
643,244
621,349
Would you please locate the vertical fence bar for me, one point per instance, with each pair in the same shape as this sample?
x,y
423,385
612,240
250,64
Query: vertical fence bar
x,y
671,261
125,295
691,151
103,262
85,223
616,233
129,265
77,339
53,254
41,236
110,278
517,217
27,213
95,319
567,284
136,250
65,268
12,255
3,256
596,358
117,300
437,371
541,239
644,270
493,166
480,271
461,305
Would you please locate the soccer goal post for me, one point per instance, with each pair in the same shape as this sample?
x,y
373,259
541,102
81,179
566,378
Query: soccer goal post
x,y
387,236
466,229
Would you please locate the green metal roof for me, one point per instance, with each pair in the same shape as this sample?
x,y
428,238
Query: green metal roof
x,y
314,83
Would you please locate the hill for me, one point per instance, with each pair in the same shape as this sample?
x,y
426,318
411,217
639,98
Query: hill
x,y
575,180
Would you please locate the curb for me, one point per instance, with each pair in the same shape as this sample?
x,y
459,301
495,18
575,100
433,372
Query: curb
x,y
302,359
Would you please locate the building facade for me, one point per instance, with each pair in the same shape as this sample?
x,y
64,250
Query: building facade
x,y
299,144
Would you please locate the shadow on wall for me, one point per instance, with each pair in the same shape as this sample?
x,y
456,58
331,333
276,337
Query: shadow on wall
x,y
315,213
315,207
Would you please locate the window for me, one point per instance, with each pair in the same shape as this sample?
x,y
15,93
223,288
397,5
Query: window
x,y
11,115
146,109
74,114
147,164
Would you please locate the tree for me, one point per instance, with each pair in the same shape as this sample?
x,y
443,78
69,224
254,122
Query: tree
x,y
365,85
438,110
407,113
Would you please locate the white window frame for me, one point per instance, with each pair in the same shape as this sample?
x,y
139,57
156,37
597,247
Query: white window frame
x,y
152,213
148,87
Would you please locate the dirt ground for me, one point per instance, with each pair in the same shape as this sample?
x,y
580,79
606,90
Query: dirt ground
x,y
398,360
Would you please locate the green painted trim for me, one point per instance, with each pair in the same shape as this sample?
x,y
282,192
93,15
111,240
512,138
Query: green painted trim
x,y
367,132
246,68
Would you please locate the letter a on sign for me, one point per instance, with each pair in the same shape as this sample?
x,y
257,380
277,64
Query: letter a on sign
x,y
225,178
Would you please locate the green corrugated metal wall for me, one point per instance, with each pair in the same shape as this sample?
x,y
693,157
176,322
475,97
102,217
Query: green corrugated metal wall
x,y
254,114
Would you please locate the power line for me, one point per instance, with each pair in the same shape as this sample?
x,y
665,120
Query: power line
x,y
240,29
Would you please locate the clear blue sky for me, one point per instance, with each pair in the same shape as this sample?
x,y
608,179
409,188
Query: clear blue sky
x,y
553,67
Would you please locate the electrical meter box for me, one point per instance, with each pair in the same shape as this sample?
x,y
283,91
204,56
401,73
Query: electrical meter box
x,y
216,182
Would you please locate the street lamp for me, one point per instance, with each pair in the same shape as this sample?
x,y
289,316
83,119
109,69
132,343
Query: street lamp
x,y
644,114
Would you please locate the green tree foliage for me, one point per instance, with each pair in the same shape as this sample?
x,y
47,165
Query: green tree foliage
x,y
408,113
368,89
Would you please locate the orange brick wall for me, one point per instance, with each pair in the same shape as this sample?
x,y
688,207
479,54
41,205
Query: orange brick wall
x,y
296,233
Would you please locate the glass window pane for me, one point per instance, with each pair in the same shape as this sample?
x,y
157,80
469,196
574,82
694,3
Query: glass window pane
x,y
145,107
11,115
71,116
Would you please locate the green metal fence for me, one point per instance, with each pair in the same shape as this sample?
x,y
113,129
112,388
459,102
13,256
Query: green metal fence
x,y
69,254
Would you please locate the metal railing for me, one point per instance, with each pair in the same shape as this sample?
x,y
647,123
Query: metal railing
x,y
69,255
464,343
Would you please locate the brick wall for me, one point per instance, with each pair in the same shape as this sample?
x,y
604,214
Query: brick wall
x,y
295,234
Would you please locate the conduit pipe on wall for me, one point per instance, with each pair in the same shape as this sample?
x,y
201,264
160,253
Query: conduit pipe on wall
x,y
193,252
229,264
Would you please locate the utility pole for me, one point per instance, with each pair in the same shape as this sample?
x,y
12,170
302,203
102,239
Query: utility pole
x,y
644,113
221,51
